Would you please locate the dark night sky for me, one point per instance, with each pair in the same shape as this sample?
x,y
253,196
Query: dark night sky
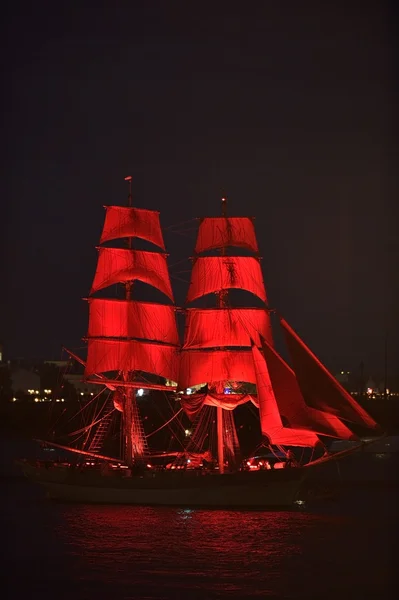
x,y
288,108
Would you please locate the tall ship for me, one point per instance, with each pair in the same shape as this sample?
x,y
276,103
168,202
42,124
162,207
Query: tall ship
x,y
227,358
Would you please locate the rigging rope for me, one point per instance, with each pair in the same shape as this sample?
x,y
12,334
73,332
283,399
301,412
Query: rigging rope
x,y
167,423
88,427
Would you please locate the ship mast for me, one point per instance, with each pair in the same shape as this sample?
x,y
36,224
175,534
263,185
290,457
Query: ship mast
x,y
128,336
132,431
129,392
219,410
217,340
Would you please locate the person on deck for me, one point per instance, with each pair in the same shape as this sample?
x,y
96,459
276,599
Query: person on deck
x,y
291,460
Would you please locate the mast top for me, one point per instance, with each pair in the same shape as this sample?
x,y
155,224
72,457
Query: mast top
x,y
129,198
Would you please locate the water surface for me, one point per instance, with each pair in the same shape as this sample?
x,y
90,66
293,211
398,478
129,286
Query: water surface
x,y
55,551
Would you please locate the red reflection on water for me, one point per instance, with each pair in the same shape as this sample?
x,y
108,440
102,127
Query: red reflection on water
x,y
212,537
196,553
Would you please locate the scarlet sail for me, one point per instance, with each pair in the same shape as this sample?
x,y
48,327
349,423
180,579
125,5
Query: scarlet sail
x,y
210,328
319,388
132,319
130,355
117,265
193,403
126,221
292,405
206,367
219,232
214,273
271,423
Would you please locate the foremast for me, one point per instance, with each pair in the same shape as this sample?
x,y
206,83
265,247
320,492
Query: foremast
x,y
222,297
217,344
133,433
130,342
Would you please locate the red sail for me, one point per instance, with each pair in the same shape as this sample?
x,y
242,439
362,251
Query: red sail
x,y
215,273
125,221
113,355
117,265
207,367
193,403
319,388
292,405
270,420
219,232
215,327
132,319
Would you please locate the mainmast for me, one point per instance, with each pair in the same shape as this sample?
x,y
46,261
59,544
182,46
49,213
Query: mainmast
x,y
130,429
222,294
131,341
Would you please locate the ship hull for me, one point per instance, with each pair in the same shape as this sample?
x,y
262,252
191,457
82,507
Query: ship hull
x,y
260,490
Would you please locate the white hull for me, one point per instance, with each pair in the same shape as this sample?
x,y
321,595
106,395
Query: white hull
x,y
261,490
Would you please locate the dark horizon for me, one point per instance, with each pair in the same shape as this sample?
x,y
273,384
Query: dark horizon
x,y
288,111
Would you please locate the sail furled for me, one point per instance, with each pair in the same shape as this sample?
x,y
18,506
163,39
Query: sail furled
x,y
126,221
291,404
106,355
270,419
319,388
220,232
209,366
118,265
214,273
193,403
221,327
132,319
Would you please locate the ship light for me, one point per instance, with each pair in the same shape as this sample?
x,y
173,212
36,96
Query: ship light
x,y
140,392
188,461
187,432
299,502
82,393
189,391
